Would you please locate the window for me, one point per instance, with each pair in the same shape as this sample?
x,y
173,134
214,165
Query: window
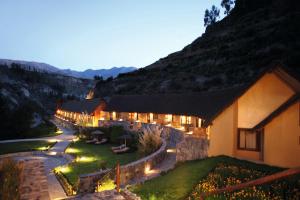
x,y
249,139
168,118
188,120
155,116
131,116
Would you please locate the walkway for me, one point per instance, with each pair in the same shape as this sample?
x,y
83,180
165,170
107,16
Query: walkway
x,y
49,162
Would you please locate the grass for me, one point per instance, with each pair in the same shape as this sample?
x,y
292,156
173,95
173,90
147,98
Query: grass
x,y
43,130
91,158
180,182
15,147
46,129
177,183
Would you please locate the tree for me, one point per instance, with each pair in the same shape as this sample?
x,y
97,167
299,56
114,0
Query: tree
x,y
228,5
98,78
210,16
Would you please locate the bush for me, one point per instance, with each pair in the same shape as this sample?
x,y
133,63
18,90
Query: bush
x,y
10,179
149,141
115,133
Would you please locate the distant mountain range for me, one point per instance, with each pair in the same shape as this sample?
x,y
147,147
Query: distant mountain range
x,y
88,74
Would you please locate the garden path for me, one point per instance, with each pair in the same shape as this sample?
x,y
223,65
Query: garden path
x,y
51,160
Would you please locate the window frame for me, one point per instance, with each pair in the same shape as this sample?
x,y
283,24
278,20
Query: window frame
x,y
258,133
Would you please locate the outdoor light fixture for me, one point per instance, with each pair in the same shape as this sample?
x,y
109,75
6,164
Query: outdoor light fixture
x,y
84,159
171,150
147,168
72,150
52,153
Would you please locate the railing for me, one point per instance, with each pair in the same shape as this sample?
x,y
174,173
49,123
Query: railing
x,y
257,182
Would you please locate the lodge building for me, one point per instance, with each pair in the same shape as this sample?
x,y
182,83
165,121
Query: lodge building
x,y
259,122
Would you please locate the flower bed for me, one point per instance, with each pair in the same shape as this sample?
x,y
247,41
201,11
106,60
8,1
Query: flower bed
x,y
227,174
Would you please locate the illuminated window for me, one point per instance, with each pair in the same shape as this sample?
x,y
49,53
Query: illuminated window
x,y
249,140
199,122
149,117
155,116
182,120
131,116
168,118
189,120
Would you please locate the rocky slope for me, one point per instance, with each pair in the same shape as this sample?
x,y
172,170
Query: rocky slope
x,y
256,35
42,89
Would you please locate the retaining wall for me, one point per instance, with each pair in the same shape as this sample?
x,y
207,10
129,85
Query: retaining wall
x,y
129,172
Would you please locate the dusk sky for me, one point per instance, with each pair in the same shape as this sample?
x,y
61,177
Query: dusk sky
x,y
81,34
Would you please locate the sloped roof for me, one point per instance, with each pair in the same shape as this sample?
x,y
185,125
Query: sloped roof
x,y
204,105
85,106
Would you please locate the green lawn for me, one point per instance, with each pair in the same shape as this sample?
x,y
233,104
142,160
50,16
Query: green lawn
x,y
14,147
92,158
180,182
43,130
177,183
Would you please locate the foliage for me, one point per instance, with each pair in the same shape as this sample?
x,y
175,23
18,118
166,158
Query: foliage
x,y
10,179
14,147
98,78
210,16
106,184
226,174
17,123
115,133
149,140
227,5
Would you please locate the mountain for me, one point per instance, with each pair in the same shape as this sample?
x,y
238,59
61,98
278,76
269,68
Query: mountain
x,y
42,67
105,73
89,73
256,35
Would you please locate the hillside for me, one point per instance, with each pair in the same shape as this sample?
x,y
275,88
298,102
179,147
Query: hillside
x,y
28,99
44,89
256,35
87,74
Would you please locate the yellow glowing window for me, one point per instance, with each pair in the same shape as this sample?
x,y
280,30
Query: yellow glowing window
x,y
188,120
168,118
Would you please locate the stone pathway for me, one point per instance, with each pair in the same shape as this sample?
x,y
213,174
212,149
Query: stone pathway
x,y
48,163
34,185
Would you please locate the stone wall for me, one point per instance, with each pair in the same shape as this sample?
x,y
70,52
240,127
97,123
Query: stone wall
x,y
128,173
140,167
191,148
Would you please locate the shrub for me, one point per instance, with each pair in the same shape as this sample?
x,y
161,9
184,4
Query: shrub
x,y
106,184
115,133
10,178
150,140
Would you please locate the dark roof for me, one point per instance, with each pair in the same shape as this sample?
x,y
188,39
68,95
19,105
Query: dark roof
x,y
204,105
87,106
278,111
